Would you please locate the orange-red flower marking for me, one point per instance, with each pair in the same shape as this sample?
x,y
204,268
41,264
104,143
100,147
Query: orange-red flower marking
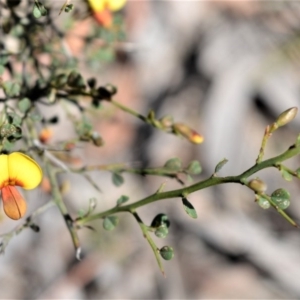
x,y
17,169
102,10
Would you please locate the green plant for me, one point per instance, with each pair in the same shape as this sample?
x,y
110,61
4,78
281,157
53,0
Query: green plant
x,y
28,82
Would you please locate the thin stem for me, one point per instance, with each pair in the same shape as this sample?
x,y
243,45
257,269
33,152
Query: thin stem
x,y
265,139
147,236
121,167
128,110
61,206
9,235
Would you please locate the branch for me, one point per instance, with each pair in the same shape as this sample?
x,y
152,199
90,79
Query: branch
x,y
183,192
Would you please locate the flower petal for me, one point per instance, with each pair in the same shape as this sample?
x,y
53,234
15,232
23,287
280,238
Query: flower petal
x,y
13,202
104,18
97,5
4,177
23,171
115,5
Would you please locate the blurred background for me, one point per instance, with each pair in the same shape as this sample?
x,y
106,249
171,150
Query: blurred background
x,y
225,68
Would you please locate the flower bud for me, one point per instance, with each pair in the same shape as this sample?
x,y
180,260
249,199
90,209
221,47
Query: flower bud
x,y
45,135
68,146
257,185
287,116
187,132
97,139
46,185
166,121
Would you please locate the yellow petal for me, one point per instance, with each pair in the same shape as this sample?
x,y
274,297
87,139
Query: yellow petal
x,y
97,5
115,5
3,170
23,171
13,203
196,138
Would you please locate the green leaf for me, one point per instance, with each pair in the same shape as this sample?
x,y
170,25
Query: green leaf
x,y
81,213
92,82
36,11
34,227
4,59
14,119
60,80
24,104
105,55
286,175
6,145
161,188
263,203
84,129
221,164
122,200
189,208
109,223
281,197
298,172
298,141
166,252
76,80
173,164
35,117
160,220
194,168
84,213
189,179
69,8
39,10
117,179
11,89
17,134
2,69
162,231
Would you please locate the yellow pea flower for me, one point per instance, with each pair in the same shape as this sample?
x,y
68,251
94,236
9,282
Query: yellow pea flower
x,y
17,169
102,10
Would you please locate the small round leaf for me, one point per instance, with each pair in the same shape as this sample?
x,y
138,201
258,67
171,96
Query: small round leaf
x,y
166,252
162,231
159,220
109,223
117,179
263,203
189,208
24,104
194,168
281,197
221,164
122,200
173,164
286,175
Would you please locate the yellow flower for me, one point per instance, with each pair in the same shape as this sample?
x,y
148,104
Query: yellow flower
x,y
17,169
112,5
102,10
